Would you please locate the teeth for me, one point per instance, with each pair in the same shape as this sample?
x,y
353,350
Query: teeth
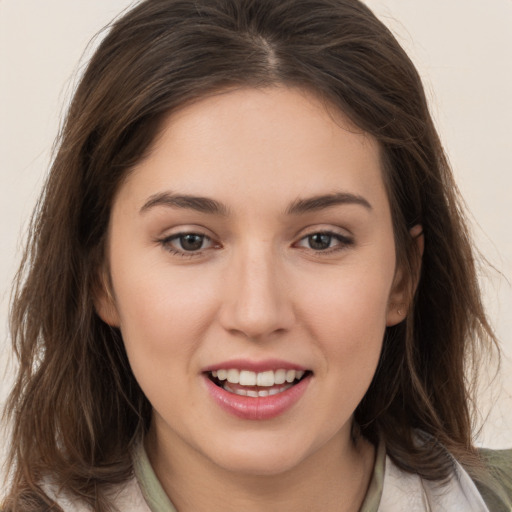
x,y
265,379
280,377
253,393
233,376
247,378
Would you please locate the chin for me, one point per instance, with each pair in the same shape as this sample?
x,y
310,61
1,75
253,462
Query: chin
x,y
260,458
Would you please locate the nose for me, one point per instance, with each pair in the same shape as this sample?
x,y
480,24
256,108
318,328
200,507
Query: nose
x,y
256,302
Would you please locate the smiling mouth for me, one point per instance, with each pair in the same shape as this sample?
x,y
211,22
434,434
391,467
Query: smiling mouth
x,y
256,384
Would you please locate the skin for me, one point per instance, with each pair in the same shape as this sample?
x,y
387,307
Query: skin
x,y
256,289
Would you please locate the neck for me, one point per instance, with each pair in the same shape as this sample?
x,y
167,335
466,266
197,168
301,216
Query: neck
x,y
334,478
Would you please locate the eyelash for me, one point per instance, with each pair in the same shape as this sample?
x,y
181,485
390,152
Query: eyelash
x,y
343,243
167,241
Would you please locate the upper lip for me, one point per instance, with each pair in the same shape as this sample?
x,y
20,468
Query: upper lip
x,y
255,366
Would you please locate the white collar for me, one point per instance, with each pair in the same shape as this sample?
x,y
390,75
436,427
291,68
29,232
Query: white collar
x,y
406,492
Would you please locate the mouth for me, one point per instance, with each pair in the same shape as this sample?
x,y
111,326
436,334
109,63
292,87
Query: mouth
x,y
256,384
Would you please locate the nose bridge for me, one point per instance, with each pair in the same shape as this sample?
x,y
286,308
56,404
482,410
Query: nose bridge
x,y
257,303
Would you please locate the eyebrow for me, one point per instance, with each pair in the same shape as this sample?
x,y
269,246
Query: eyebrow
x,y
211,206
320,202
200,204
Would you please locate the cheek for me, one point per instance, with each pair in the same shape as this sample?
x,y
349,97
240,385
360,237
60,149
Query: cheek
x,y
350,304
163,315
163,322
346,318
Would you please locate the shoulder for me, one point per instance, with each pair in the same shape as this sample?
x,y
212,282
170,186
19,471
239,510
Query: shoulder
x,y
126,497
405,491
498,460
497,490
491,492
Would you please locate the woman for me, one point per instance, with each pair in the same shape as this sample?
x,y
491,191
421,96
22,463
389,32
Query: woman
x,y
249,284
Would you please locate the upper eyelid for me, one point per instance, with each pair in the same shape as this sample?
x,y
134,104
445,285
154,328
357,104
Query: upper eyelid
x,y
300,235
191,229
175,236
325,228
336,231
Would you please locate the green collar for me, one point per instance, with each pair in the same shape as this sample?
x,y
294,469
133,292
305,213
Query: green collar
x,y
149,484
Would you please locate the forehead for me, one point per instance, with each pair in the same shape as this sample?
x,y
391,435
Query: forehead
x,y
274,143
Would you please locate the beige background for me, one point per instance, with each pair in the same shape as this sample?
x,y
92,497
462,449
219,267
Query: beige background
x,y
463,49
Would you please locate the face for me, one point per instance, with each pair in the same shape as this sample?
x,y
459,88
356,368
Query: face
x,y
253,275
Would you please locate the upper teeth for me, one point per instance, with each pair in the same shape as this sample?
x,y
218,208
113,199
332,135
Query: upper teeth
x,y
248,378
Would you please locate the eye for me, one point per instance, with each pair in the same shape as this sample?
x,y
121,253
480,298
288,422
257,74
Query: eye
x,y
187,243
325,241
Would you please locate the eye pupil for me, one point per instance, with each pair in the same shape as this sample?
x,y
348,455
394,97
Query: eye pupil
x,y
320,241
191,242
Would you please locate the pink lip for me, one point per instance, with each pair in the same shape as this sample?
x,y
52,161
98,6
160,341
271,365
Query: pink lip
x,y
254,366
258,408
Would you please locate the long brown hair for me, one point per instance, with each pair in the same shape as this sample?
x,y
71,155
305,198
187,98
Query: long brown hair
x,y
76,408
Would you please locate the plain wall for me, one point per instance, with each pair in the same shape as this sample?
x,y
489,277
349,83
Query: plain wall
x,y
463,50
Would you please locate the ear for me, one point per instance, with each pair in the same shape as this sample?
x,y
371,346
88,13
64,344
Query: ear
x,y
104,302
405,283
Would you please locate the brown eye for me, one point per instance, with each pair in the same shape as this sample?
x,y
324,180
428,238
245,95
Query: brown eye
x,y
186,243
191,241
325,241
320,241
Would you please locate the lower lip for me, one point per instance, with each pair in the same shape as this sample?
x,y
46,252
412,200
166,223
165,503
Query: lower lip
x,y
257,408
